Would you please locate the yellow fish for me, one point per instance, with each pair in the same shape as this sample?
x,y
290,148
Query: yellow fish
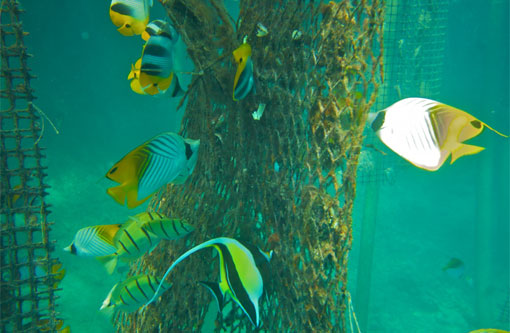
x,y
243,81
134,76
426,132
162,226
165,158
131,16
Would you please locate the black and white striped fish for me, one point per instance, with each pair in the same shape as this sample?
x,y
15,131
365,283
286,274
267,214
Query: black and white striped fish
x,y
132,293
160,28
162,226
94,241
426,132
166,158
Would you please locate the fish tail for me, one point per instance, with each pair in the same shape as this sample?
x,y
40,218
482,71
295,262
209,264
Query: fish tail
x,y
117,193
109,262
464,149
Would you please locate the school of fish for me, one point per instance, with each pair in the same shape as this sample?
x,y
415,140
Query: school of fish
x,y
422,131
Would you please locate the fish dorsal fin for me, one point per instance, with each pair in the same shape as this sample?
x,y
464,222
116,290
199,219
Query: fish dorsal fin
x,y
107,232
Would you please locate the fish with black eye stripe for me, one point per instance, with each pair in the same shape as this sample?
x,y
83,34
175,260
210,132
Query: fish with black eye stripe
x,y
131,16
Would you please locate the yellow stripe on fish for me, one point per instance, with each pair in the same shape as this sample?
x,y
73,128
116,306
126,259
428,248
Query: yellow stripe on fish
x,y
132,293
240,274
426,132
162,226
131,16
243,81
94,241
157,162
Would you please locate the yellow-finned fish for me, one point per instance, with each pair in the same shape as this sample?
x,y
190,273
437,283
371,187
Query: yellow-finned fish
x,y
162,226
132,293
240,274
134,76
159,27
243,81
131,16
165,158
94,241
132,241
426,132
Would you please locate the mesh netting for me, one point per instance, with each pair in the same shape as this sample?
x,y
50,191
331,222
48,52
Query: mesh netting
x,y
286,182
27,295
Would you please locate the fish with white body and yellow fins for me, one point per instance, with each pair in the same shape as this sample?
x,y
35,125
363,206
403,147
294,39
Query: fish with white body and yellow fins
x,y
163,159
131,242
131,16
243,81
130,294
240,274
163,226
426,132
94,241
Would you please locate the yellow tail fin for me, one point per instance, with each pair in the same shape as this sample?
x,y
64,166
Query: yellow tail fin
x,y
464,149
118,193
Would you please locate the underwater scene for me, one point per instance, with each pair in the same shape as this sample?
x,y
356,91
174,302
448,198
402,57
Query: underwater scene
x,y
275,166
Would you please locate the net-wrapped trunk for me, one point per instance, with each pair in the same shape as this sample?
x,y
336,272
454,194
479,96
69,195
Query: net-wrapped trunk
x,y
285,182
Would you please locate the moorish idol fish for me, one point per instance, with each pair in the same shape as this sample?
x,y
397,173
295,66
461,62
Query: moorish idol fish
x,y
160,27
94,241
243,81
157,67
426,132
162,226
131,16
131,242
159,161
130,294
240,275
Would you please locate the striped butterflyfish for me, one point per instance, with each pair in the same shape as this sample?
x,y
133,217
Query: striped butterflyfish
x,y
160,28
157,74
131,242
94,241
157,162
240,275
426,132
131,16
162,226
132,293
243,81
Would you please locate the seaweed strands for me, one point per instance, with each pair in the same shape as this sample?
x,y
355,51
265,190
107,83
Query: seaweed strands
x,y
285,182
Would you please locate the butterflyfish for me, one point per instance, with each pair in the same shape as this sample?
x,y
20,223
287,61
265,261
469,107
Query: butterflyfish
x,y
131,16
94,241
157,162
160,27
157,67
426,132
134,76
240,276
128,295
243,81
162,226
132,241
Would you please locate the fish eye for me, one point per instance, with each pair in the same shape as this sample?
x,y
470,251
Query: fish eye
x,y
128,25
113,170
240,60
476,124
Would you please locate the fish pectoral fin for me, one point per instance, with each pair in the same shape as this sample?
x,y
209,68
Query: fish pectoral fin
x,y
214,288
464,149
118,193
109,262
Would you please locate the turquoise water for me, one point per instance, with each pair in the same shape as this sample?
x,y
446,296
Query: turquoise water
x,y
423,218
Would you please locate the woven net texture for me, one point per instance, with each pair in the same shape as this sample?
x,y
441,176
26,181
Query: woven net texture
x,y
27,295
286,182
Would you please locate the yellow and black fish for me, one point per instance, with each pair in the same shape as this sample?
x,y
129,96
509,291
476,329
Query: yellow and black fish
x,y
132,293
426,132
162,226
240,274
166,158
132,241
243,81
94,241
131,16
159,28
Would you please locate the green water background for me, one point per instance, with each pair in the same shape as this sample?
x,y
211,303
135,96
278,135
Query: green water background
x,y
424,218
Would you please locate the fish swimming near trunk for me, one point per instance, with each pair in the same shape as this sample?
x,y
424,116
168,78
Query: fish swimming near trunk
x,y
163,159
243,81
240,274
130,294
426,132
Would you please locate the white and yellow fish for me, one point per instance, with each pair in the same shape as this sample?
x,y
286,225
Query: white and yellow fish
x,y
131,16
426,132
94,241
